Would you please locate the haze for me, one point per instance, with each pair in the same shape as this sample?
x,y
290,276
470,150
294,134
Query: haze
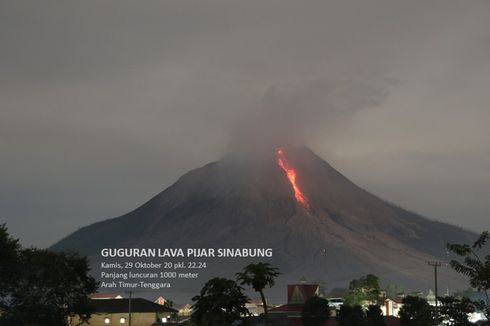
x,y
105,104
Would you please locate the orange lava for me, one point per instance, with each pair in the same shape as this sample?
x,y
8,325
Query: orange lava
x,y
291,174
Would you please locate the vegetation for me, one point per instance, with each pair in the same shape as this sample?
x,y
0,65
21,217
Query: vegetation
x,y
351,315
363,290
259,276
454,311
220,303
393,291
416,312
356,316
315,311
374,316
42,287
475,267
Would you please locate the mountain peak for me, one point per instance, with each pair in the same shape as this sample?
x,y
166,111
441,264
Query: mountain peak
x,y
318,223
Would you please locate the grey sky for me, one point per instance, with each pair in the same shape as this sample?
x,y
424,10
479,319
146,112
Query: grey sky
x,y
105,103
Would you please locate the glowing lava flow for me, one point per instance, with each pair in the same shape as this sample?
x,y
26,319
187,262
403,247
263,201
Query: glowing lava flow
x,y
291,174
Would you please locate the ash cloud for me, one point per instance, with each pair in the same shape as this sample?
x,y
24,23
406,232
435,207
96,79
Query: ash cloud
x,y
292,115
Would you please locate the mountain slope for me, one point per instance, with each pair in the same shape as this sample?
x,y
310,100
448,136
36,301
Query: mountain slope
x,y
248,202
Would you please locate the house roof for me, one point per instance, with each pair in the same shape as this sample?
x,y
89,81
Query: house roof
x,y
122,306
338,293
288,308
258,302
105,296
299,293
395,299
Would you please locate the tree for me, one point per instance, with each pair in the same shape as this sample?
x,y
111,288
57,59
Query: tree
x,y
259,276
355,298
351,315
393,290
363,289
9,266
454,311
315,311
416,312
48,287
476,268
220,303
374,316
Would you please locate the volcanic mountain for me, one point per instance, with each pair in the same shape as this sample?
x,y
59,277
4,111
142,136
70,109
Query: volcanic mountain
x,y
320,225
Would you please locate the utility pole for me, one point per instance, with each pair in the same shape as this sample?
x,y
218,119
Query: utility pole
x,y
129,308
324,253
435,264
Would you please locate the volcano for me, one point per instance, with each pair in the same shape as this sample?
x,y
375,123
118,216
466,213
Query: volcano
x,y
320,225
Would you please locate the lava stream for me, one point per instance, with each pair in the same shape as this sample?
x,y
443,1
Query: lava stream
x,y
291,174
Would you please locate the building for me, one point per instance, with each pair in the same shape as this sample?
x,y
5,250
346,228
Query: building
x,y
290,313
185,310
431,298
256,307
337,293
115,312
162,301
391,306
297,296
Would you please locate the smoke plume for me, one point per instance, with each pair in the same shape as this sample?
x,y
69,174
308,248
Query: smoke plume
x,y
291,115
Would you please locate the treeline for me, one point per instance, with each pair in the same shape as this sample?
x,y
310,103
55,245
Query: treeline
x,y
42,287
